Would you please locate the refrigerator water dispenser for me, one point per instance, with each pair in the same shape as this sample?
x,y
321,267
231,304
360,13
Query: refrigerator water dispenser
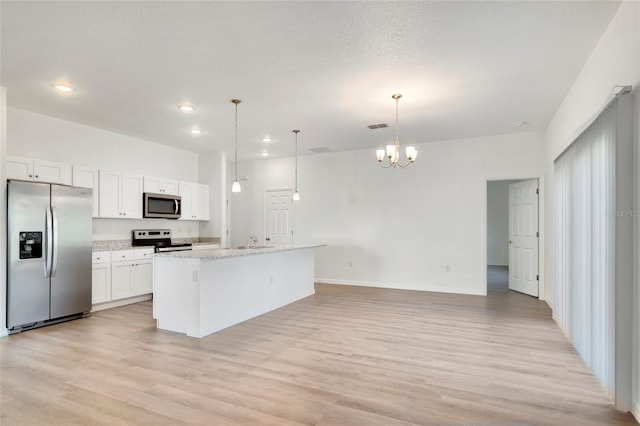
x,y
30,245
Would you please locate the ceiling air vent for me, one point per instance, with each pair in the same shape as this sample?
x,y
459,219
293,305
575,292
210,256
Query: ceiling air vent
x,y
378,126
320,149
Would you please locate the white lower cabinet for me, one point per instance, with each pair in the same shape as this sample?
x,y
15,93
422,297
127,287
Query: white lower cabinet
x,y
143,277
128,273
121,280
101,277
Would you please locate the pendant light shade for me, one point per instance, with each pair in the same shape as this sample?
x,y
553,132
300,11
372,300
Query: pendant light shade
x,y
296,194
236,184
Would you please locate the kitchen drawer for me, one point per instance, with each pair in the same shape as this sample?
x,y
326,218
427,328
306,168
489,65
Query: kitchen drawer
x,y
101,257
146,253
119,255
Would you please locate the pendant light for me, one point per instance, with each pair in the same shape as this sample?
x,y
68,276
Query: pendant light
x,y
236,184
392,153
296,194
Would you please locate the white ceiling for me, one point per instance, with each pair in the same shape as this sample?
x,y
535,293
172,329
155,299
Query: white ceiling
x,y
465,69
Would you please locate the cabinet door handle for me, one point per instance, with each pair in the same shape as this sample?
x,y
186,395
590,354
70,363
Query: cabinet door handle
x,y
30,175
37,176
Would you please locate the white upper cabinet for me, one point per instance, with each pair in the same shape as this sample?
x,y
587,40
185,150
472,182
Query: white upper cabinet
x,y
38,170
19,168
195,201
187,190
202,200
87,177
120,195
159,185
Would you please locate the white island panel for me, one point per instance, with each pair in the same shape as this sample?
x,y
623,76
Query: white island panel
x,y
199,295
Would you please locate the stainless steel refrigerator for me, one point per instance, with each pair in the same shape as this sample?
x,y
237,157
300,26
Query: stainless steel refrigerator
x,y
48,255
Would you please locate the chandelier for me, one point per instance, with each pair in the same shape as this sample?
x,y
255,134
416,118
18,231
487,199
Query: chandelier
x,y
392,153
236,184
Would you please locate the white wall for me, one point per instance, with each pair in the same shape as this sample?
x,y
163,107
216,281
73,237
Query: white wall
x,y
636,355
498,222
3,212
39,136
614,61
399,228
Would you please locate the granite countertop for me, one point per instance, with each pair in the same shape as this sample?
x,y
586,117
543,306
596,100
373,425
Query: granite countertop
x,y
223,253
112,245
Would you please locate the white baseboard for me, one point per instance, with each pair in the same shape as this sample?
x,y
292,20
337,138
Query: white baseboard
x,y
395,286
636,410
121,302
4,332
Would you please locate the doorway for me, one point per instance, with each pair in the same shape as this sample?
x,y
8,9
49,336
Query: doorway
x,y
512,237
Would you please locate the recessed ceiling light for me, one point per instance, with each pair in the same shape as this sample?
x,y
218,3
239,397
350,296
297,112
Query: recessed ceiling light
x,y
186,108
64,87
266,139
195,131
264,154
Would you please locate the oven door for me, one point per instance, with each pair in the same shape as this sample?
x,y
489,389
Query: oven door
x,y
162,206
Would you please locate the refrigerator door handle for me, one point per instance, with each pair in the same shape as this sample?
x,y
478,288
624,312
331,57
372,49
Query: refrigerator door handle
x,y
54,223
49,243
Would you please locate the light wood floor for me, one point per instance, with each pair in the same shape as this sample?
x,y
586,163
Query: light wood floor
x,y
346,356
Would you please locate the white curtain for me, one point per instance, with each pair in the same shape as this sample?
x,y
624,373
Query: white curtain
x,y
585,244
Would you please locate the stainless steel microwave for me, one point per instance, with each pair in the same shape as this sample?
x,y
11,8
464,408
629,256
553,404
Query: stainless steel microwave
x,y
162,206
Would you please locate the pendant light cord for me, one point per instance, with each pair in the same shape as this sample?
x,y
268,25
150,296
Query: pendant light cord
x,y
296,158
236,156
397,121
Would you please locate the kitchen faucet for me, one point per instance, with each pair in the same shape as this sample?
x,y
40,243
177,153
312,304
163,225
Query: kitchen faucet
x,y
253,241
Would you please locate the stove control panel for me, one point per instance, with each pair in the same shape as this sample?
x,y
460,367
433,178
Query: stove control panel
x,y
151,234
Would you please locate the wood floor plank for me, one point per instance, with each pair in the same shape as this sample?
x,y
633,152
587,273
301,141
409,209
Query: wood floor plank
x,y
345,356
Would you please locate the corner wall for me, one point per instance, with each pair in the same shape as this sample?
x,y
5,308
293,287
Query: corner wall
x,y
213,172
3,212
421,228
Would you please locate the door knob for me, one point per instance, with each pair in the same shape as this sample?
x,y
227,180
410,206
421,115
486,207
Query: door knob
x,y
509,241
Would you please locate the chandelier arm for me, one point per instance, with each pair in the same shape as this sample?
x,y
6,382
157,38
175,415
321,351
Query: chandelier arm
x,y
389,164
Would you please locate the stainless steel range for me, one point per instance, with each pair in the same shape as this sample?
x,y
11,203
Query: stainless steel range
x,y
160,239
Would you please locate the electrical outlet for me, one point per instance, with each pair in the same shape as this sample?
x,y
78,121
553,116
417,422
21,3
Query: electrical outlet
x,y
351,264
447,268
270,279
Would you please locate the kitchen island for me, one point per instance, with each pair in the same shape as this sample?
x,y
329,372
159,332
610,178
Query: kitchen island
x,y
201,292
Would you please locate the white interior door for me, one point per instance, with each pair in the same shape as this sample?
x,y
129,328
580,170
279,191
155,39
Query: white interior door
x,y
523,237
278,216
